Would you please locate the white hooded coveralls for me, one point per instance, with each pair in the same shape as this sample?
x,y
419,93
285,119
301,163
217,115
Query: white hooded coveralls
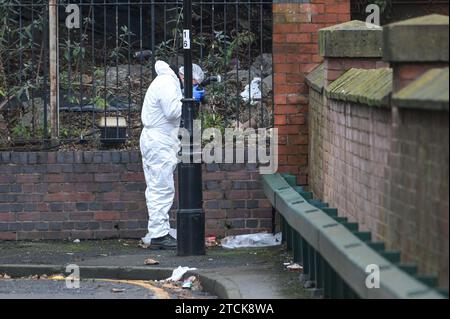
x,y
159,145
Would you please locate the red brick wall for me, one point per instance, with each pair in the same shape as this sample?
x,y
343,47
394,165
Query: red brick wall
x,y
295,54
388,170
59,195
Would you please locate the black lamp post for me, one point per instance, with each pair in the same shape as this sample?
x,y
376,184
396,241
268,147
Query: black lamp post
x,y
190,216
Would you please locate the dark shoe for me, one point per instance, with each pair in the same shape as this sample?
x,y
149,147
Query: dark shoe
x,y
166,242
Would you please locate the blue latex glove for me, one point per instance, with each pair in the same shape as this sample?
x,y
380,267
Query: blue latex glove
x,y
197,93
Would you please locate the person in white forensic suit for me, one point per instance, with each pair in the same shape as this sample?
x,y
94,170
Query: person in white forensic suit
x,y
159,143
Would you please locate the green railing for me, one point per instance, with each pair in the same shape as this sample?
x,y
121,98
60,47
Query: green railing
x,y
335,254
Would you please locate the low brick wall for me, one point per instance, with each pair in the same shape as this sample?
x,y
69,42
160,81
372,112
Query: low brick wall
x,y
68,195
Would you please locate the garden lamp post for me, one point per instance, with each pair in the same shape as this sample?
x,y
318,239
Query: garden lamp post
x,y
190,215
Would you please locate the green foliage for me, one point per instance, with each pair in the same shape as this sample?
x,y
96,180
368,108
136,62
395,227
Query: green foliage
x,y
213,120
100,102
222,49
20,131
123,42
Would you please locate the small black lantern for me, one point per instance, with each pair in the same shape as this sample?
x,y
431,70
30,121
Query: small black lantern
x,y
113,130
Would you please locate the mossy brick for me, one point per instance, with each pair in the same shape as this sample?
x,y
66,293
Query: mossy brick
x,y
369,87
315,78
429,92
422,39
352,39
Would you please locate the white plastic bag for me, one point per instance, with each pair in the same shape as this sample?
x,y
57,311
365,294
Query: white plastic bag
x,y
252,92
251,240
178,273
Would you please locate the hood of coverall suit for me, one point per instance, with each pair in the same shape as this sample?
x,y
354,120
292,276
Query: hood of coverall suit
x,y
162,105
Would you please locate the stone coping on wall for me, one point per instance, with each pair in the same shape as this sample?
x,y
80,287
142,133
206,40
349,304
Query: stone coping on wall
x,y
430,92
352,39
315,79
423,39
70,157
370,87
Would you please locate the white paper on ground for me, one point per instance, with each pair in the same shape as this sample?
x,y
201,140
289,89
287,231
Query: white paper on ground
x,y
251,240
178,273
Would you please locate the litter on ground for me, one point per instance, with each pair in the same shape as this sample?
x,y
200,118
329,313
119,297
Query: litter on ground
x,y
178,273
251,240
151,262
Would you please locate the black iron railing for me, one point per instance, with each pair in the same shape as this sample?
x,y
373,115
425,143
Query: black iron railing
x,y
338,258
105,66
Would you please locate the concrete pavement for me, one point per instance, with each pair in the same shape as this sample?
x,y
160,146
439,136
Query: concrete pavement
x,y
242,273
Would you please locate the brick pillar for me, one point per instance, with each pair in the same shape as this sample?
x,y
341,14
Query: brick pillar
x,y
295,54
415,46
348,45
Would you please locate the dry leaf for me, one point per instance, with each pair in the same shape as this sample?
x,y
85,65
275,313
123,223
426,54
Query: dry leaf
x,y
151,262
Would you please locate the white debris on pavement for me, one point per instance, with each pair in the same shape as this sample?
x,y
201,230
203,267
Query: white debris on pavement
x,y
178,273
251,240
294,267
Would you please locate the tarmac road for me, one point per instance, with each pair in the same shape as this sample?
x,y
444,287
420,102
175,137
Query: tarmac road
x,y
56,289
93,289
